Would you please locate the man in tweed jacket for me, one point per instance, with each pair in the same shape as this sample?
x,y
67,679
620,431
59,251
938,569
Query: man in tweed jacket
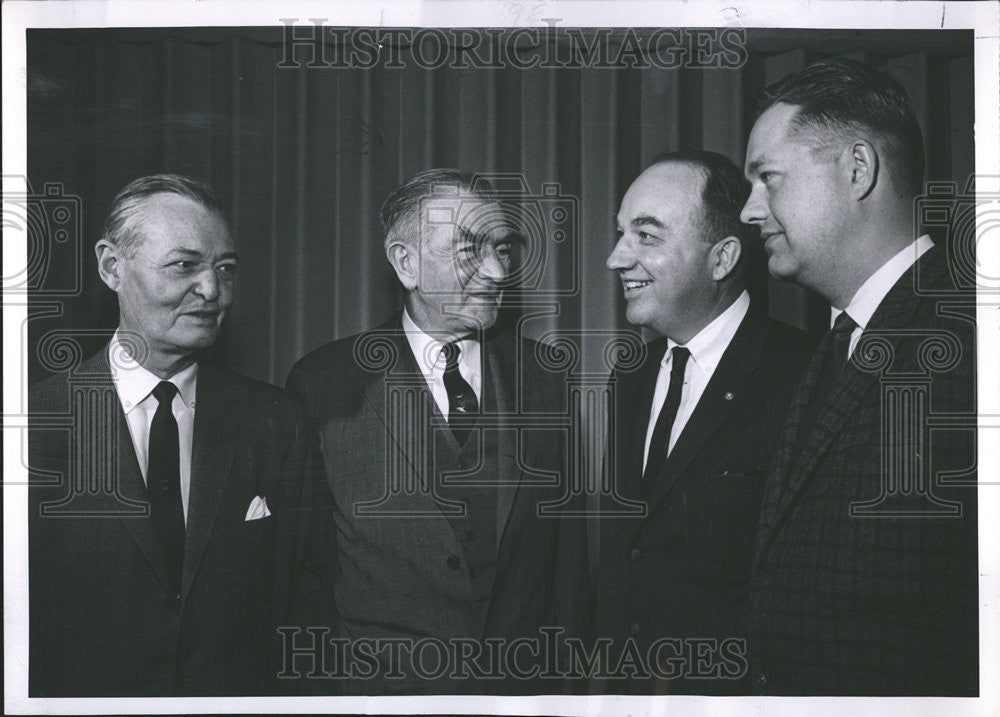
x,y
865,574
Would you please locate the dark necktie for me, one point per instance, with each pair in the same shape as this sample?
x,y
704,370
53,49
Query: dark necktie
x,y
462,400
834,350
659,444
163,481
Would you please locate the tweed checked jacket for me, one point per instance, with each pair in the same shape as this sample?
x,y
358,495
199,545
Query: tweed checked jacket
x,y
865,575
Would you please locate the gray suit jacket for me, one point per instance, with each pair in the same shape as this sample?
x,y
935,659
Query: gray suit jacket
x,y
397,574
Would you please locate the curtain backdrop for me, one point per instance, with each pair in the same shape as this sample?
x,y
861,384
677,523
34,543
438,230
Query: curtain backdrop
x,y
303,157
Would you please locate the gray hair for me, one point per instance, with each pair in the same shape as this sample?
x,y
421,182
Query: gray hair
x,y
120,225
400,211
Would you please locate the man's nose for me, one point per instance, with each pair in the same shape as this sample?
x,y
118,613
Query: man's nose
x,y
207,284
620,257
755,211
491,267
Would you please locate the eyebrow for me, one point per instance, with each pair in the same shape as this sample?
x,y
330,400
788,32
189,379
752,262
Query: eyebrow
x,y
646,220
514,237
197,254
469,235
482,238
755,165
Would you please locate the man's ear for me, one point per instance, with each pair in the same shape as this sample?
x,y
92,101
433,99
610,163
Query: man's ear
x,y
405,261
863,166
724,257
109,263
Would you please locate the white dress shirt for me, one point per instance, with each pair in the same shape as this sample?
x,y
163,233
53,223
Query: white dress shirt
x,y
706,348
431,360
870,294
135,385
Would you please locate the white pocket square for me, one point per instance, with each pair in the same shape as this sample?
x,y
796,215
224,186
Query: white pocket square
x,y
258,509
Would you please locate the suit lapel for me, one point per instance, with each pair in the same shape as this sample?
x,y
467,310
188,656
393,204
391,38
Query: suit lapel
x,y
633,402
729,386
501,378
402,383
777,478
792,473
628,422
131,487
851,387
217,420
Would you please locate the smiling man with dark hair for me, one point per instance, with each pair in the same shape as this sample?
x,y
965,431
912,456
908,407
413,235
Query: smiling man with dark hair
x,y
694,430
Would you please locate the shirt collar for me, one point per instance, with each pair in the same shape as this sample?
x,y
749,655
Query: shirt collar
x,y
427,349
708,345
870,294
134,382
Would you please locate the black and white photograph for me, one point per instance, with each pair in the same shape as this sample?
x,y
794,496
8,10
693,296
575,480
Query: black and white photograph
x,y
569,357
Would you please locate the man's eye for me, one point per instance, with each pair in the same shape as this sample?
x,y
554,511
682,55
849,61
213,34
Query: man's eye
x,y
645,238
227,269
766,177
184,265
503,251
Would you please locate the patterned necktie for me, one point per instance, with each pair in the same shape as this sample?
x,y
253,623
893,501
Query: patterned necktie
x,y
659,444
834,349
462,400
163,481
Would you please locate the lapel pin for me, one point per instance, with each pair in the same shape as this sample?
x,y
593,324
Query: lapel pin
x,y
729,396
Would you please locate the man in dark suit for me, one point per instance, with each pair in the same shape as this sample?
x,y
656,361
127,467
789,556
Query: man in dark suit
x,y
693,426
177,511
865,573
433,430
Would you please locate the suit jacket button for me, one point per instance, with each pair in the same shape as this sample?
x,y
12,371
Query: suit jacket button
x,y
636,554
634,628
453,562
761,680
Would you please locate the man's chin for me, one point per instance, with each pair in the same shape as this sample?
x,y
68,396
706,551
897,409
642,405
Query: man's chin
x,y
488,317
635,315
480,318
780,267
193,341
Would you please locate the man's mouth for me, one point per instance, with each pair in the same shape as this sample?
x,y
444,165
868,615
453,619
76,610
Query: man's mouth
x,y
493,296
633,285
203,315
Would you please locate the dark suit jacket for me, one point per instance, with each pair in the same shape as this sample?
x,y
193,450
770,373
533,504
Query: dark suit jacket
x,y
682,571
397,576
103,619
865,576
